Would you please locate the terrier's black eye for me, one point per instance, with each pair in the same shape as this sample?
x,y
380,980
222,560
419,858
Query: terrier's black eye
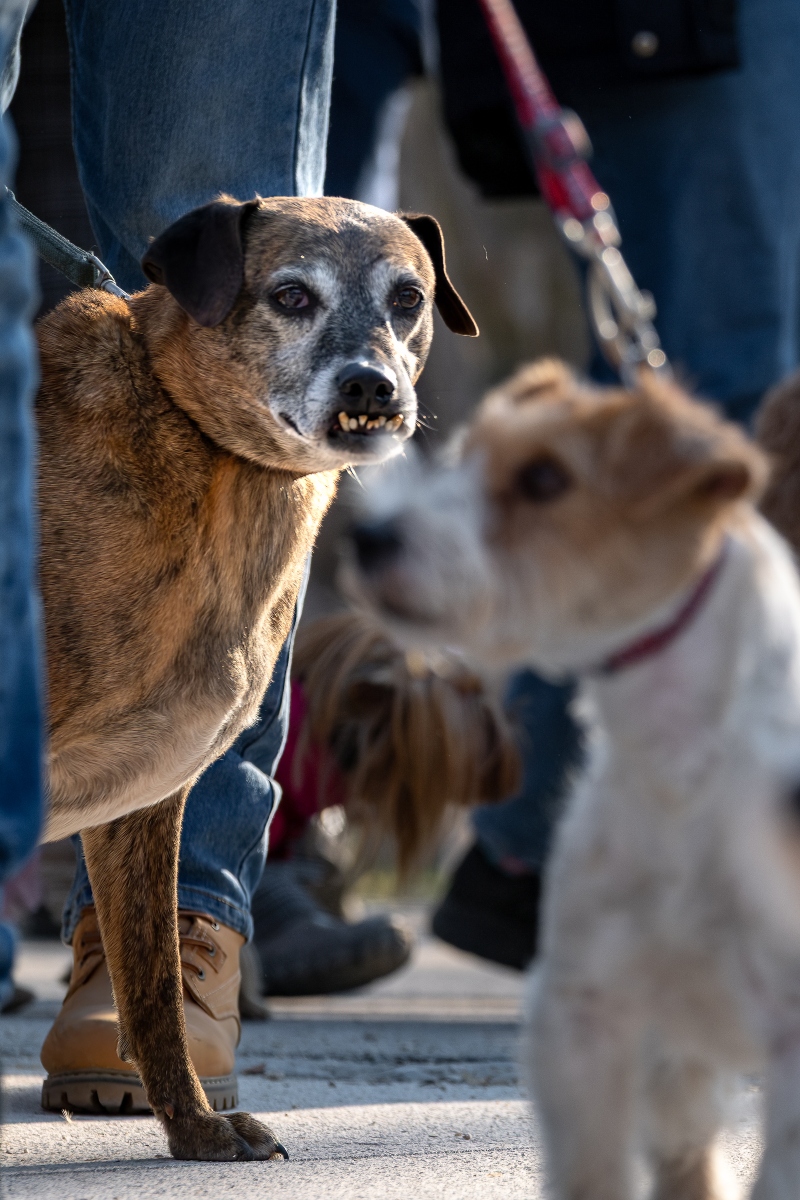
x,y
292,296
408,298
542,480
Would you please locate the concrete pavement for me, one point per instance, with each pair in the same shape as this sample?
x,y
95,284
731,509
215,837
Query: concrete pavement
x,y
406,1089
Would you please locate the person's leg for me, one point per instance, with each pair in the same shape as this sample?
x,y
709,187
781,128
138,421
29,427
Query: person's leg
x,y
174,103
171,105
492,905
20,719
377,51
704,176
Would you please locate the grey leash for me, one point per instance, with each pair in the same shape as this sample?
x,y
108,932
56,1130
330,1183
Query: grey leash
x,y
80,267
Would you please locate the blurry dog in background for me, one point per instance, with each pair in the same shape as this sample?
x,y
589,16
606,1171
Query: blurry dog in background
x,y
405,735
612,534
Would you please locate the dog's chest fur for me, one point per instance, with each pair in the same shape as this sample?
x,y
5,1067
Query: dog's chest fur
x,y
170,572
678,864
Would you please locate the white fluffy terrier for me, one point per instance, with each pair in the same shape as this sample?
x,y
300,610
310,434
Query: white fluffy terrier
x,y
613,535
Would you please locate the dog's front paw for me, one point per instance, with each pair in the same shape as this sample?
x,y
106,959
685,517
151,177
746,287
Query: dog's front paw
x,y
212,1138
260,1138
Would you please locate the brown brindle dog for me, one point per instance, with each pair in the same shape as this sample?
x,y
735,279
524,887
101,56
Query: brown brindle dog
x,y
190,442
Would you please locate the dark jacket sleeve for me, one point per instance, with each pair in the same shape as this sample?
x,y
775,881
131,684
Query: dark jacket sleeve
x,y
581,45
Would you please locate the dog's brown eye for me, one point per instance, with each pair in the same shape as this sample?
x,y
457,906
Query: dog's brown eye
x,y
408,297
542,480
292,296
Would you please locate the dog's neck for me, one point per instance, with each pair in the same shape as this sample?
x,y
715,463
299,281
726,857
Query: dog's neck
x,y
733,669
194,371
656,640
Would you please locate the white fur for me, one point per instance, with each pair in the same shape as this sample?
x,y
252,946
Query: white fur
x,y
671,942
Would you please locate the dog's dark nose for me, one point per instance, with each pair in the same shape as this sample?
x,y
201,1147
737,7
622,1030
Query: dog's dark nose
x,y
365,385
376,544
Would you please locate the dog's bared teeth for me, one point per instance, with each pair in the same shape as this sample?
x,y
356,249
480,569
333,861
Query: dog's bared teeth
x,y
372,424
381,421
344,420
362,420
395,422
353,423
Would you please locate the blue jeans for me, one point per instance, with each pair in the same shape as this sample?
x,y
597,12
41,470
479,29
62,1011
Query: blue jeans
x,y
175,102
20,722
172,104
704,175
377,50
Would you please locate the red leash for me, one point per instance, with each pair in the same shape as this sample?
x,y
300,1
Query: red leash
x,y
622,316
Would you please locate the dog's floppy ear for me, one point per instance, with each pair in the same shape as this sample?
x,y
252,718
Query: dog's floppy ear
x,y
671,450
199,259
454,311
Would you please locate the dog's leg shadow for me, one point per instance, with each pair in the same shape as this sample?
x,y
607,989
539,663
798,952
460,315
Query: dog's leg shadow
x,y
133,868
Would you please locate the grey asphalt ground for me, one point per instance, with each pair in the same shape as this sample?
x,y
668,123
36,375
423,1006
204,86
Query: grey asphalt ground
x,y
407,1089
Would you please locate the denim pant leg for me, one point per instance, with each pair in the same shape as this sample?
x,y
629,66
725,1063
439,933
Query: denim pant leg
x,y
175,102
172,104
20,721
704,175
378,49
226,823
516,834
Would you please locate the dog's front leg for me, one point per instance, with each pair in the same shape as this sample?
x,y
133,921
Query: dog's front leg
x,y
683,1107
133,868
581,1052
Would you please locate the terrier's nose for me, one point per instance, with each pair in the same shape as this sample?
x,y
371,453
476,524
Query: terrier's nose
x,y
376,544
365,385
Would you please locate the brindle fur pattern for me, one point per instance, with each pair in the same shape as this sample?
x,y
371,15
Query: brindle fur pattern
x,y
184,472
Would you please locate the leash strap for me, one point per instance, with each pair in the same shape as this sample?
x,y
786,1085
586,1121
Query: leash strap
x,y
80,267
558,144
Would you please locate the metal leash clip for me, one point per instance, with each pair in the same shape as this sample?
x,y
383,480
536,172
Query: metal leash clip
x,y
81,267
621,315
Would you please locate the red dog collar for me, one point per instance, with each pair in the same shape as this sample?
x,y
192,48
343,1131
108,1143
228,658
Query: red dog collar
x,y
653,643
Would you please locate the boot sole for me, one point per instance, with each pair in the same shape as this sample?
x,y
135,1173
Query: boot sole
x,y
121,1092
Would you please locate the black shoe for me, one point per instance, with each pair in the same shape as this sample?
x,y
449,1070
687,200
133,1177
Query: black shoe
x,y
40,924
489,913
305,951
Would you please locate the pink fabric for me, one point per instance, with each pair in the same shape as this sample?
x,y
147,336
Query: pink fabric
x,y
22,893
309,785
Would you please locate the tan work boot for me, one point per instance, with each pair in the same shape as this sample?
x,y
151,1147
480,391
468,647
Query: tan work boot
x,y
80,1051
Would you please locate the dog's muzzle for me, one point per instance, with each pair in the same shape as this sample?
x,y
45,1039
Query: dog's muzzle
x,y
367,405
